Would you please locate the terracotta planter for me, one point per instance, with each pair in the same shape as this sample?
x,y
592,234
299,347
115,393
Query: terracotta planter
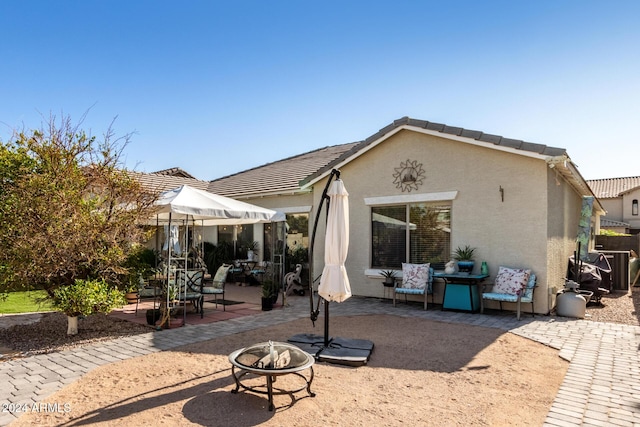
x,y
131,297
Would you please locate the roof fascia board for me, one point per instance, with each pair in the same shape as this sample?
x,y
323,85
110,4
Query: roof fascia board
x,y
565,167
289,192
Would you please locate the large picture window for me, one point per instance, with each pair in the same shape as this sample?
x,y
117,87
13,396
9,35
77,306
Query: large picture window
x,y
415,233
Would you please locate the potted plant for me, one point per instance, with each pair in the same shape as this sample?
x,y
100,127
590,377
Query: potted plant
x,y
389,277
252,251
465,258
131,293
269,295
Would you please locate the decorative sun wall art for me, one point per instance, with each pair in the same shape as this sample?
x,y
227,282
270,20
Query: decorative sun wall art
x,y
409,176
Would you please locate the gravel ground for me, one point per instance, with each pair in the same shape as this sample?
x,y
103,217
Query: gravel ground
x,y
617,307
50,332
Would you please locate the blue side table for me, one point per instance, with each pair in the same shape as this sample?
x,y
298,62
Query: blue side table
x,y
461,291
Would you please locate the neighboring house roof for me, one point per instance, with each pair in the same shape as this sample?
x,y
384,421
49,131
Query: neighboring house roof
x,y
604,222
279,177
159,182
299,173
610,188
175,172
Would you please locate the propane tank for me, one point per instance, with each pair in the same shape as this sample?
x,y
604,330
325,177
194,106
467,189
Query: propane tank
x,y
569,303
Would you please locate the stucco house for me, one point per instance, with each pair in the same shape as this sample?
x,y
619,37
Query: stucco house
x,y
418,190
619,197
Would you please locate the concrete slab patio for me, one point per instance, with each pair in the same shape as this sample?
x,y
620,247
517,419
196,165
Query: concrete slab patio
x,y
601,387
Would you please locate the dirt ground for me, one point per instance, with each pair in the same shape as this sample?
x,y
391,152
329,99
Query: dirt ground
x,y
421,372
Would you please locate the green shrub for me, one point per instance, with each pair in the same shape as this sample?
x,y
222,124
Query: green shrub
x,y
86,297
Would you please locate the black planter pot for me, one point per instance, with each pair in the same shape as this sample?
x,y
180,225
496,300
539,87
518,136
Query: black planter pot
x,y
267,303
153,316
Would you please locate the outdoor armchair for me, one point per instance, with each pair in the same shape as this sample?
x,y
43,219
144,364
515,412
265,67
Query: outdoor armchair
x,y
518,294
217,286
417,279
190,285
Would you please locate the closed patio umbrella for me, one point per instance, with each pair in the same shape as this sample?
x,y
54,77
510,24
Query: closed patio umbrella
x,y
334,283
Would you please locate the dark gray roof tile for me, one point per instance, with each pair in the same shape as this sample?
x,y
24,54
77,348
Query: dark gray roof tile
x,y
473,134
487,137
435,126
402,121
451,130
418,123
553,151
530,146
289,175
511,143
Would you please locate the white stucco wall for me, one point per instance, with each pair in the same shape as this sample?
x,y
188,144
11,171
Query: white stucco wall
x,y
613,207
627,199
534,226
512,232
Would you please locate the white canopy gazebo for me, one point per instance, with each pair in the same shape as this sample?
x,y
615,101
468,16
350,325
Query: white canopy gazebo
x,y
187,204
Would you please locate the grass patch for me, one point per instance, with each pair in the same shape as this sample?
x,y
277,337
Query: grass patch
x,y
24,302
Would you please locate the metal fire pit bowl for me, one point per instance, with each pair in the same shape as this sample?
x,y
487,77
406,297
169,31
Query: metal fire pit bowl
x,y
271,359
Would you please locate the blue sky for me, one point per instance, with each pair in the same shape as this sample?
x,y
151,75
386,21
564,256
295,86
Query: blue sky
x,y
219,87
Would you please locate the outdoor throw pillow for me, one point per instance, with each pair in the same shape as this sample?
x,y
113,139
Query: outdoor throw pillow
x,y
222,272
511,280
415,276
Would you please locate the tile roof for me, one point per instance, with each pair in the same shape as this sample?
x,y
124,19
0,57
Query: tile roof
x,y
604,222
288,176
609,188
282,176
446,130
159,182
175,172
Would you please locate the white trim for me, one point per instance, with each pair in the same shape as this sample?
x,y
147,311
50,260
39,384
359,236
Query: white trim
x,y
294,209
411,198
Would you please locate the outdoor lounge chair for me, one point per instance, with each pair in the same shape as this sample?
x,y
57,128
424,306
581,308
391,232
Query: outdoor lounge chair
x,y
217,287
413,286
524,295
190,284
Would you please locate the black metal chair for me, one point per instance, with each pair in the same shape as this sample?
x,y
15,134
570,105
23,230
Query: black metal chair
x,y
189,289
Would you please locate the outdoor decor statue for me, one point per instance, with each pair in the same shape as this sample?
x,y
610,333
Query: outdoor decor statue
x,y
451,267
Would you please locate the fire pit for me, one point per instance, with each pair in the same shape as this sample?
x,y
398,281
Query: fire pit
x,y
270,359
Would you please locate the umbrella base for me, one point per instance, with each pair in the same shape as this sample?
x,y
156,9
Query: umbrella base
x,y
341,351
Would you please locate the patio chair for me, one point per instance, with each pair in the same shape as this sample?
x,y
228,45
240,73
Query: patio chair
x,y
417,279
190,285
217,287
517,288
